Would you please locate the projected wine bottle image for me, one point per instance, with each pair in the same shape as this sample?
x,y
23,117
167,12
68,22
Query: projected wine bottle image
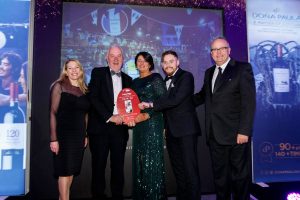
x,y
281,78
14,114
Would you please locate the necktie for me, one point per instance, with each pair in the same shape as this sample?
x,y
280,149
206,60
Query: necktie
x,y
217,81
115,73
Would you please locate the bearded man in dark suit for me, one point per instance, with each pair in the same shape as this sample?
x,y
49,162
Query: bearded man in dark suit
x,y
105,130
182,126
229,96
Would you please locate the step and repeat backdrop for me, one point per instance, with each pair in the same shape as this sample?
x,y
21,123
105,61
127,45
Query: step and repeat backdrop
x,y
274,47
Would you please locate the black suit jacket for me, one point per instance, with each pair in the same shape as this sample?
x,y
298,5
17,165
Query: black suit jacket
x,y
177,105
230,109
102,98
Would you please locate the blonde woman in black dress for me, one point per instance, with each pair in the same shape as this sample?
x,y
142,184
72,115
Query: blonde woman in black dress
x,y
68,110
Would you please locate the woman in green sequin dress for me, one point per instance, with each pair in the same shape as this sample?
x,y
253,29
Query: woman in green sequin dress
x,y
148,146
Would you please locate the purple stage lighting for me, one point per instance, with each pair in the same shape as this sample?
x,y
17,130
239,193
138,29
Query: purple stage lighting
x,y
293,196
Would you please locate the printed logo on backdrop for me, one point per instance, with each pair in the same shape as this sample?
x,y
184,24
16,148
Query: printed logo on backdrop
x,y
114,22
275,21
276,17
266,150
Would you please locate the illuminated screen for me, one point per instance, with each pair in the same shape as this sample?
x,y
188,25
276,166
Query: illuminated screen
x,y
89,29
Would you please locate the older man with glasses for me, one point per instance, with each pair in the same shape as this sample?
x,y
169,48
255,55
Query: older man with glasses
x,y
229,96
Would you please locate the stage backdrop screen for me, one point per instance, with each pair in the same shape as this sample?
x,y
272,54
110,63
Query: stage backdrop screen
x,y
89,29
273,36
14,29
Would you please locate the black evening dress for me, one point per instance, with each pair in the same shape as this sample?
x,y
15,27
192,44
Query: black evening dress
x,y
148,143
68,110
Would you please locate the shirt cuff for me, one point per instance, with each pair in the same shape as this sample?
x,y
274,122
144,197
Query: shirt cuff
x,y
108,119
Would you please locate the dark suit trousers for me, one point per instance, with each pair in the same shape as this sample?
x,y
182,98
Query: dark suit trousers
x,y
114,141
183,156
232,170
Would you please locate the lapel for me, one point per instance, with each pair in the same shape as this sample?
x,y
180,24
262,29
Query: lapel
x,y
226,74
171,83
210,74
175,78
124,82
109,84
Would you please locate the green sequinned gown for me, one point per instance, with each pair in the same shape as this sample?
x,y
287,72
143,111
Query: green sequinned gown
x,y
147,146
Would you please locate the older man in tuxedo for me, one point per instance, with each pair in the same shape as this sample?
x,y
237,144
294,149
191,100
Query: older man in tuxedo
x,y
105,130
229,96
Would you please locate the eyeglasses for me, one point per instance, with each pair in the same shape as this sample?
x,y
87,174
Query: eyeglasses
x,y
222,49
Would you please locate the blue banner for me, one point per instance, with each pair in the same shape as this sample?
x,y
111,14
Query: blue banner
x,y
273,40
14,29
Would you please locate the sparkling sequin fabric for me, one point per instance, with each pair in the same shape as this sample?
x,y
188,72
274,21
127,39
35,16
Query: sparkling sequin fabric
x,y
148,152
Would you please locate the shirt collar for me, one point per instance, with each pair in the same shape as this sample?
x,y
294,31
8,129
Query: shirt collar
x,y
114,71
224,65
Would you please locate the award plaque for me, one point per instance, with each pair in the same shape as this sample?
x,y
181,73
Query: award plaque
x,y
127,104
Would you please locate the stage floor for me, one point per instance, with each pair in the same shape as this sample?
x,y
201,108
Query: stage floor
x,y
204,197
274,191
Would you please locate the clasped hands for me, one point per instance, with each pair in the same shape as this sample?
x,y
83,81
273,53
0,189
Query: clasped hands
x,y
118,120
142,116
139,118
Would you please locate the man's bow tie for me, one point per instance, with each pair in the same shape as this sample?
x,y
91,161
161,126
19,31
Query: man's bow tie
x,y
168,78
115,73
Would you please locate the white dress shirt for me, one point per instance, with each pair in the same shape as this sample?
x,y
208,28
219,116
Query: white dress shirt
x,y
117,87
168,82
216,73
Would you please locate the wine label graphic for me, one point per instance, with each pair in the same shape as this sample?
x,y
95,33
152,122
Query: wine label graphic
x,y
14,114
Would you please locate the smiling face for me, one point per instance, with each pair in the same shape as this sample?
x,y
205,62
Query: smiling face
x,y
170,64
114,58
73,71
5,68
220,51
142,65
